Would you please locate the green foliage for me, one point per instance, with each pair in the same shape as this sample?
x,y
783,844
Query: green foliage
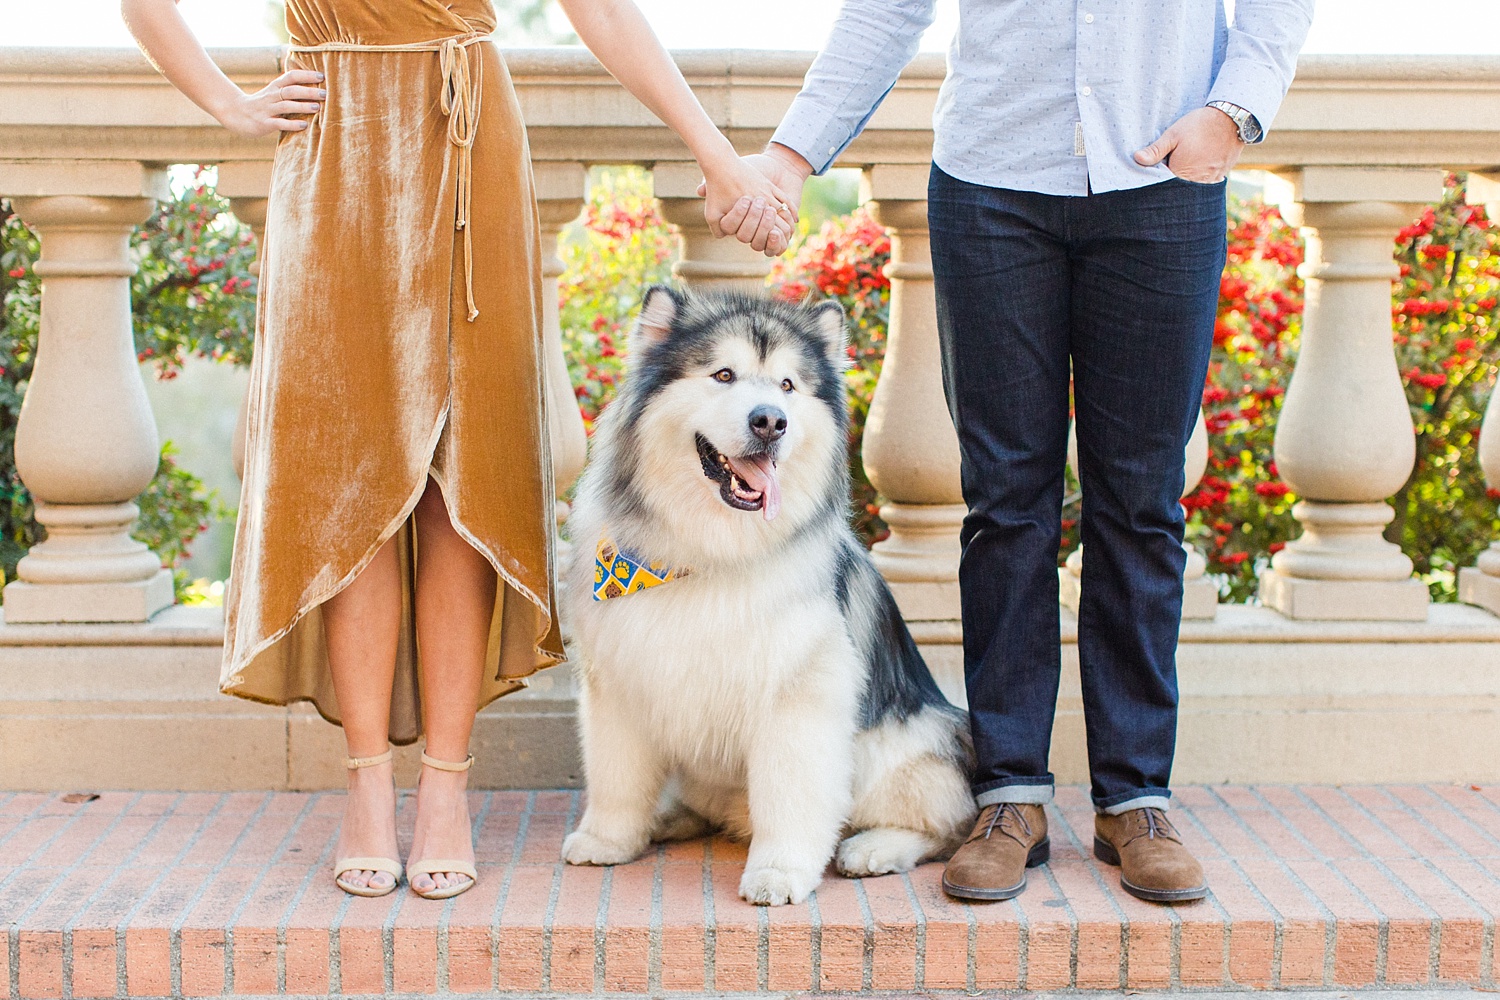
x,y
175,509
193,295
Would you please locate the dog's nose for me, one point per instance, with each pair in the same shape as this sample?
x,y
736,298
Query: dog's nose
x,y
767,422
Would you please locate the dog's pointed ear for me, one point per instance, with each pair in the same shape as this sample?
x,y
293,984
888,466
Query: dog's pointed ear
x,y
659,311
829,320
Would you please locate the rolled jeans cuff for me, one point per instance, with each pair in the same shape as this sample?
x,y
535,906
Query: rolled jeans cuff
x,y
1037,795
1140,802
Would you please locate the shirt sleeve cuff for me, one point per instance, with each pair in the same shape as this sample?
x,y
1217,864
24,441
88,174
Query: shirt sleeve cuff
x,y
1256,88
814,134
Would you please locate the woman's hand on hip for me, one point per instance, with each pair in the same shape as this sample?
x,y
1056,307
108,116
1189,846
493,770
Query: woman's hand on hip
x,y
265,112
169,43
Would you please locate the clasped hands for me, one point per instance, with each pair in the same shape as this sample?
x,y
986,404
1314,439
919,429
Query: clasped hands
x,y
757,198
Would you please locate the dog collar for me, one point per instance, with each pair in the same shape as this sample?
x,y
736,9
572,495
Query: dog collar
x,y
618,573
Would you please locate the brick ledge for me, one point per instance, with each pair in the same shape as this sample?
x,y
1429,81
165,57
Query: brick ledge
x,y
1315,887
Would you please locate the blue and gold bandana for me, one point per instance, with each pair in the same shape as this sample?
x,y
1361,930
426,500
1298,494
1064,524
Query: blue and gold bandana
x,y
618,573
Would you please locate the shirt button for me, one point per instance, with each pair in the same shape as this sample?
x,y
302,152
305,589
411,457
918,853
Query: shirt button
x,y
1087,91
1088,19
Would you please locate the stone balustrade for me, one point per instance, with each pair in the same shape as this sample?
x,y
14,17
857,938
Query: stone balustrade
x,y
1364,141
85,135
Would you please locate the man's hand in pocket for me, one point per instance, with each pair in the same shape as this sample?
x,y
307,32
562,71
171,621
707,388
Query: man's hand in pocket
x,y
1202,146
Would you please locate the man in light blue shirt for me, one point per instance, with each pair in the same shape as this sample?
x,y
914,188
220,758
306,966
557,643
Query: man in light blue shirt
x,y
1077,214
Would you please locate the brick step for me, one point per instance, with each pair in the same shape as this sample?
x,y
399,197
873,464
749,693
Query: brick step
x,y
158,894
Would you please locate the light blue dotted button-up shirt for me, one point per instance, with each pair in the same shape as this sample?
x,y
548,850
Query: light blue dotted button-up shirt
x,y
1052,96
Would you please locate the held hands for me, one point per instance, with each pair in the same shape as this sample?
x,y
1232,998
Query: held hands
x,y
295,92
756,198
1202,146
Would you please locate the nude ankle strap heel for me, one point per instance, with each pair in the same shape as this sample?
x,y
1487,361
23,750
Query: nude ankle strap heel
x,y
390,866
447,765
355,763
432,866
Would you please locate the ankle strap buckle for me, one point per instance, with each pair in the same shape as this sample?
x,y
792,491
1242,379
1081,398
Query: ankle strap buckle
x,y
355,763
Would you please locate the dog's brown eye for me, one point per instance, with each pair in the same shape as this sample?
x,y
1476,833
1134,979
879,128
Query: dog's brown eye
x,y
724,375
786,385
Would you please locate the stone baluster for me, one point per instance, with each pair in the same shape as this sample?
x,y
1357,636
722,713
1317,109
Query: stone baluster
x,y
560,192
1345,441
1200,597
246,185
1480,584
706,262
910,447
86,443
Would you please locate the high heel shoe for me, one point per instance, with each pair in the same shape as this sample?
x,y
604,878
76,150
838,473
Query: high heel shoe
x,y
390,866
434,865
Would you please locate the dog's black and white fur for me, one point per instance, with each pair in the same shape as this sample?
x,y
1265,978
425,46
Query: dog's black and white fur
x,y
774,693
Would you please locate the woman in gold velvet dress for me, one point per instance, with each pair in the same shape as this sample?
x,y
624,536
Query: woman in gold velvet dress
x,y
393,559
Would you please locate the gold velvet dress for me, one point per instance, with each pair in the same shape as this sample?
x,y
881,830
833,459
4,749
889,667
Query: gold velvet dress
x,y
398,337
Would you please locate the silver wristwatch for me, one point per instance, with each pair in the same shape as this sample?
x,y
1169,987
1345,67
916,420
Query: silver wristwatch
x,y
1248,124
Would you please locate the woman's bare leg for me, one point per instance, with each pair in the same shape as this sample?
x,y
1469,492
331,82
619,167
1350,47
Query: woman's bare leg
x,y
362,624
455,599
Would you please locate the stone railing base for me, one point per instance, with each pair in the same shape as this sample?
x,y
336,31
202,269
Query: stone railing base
x,y
1344,600
1264,699
133,601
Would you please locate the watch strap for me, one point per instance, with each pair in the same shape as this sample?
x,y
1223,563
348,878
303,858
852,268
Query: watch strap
x,y
1249,126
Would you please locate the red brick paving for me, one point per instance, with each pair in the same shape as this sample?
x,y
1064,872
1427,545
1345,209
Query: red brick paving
x,y
209,894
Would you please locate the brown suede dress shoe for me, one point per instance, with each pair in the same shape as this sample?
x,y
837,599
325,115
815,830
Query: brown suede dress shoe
x,y
1153,863
1008,838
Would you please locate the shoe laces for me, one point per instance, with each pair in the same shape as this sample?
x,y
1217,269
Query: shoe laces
x,y
1155,826
1003,812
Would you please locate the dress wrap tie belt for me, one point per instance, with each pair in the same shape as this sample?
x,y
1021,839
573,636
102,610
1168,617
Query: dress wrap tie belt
x,y
463,89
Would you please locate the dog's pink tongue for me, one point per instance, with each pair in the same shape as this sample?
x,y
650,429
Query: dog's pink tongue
x,y
759,473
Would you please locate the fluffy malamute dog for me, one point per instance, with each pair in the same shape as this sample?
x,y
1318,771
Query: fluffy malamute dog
x,y
742,665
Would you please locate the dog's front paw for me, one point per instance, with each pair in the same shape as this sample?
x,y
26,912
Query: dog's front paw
x,y
881,852
776,887
584,848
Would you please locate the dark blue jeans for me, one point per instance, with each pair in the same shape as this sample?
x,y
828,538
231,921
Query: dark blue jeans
x,y
1116,292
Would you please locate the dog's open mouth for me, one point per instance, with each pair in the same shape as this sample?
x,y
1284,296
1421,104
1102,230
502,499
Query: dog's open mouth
x,y
747,482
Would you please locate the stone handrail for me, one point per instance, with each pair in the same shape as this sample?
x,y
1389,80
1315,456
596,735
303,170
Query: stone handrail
x,y
85,136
